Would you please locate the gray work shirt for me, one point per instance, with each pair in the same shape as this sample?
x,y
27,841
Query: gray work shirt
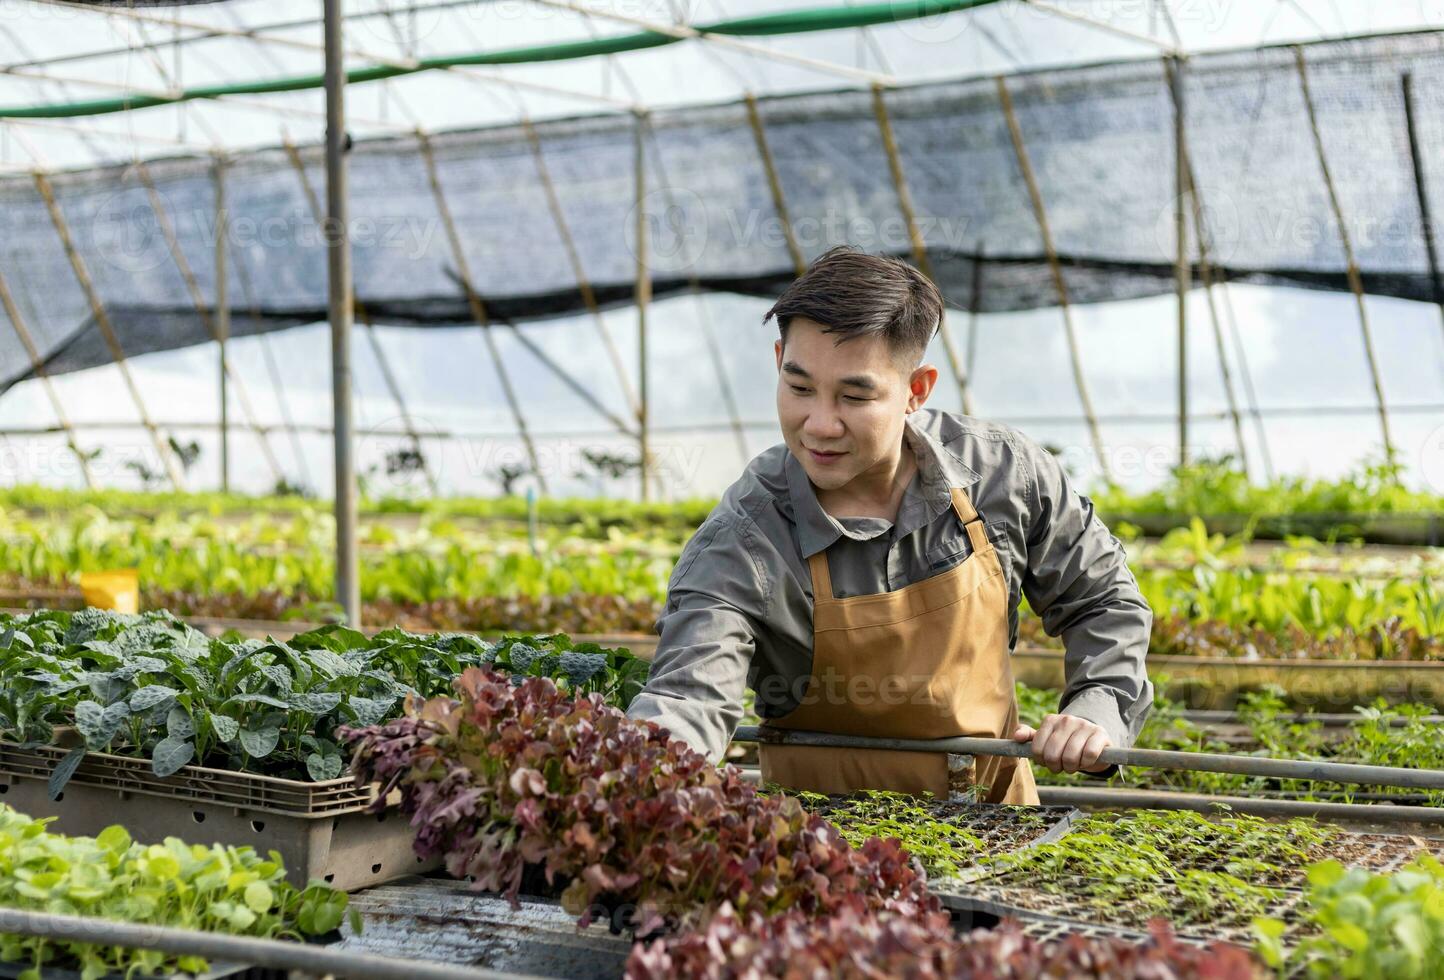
x,y
739,601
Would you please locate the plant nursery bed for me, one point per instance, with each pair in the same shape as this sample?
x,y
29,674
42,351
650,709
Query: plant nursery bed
x,y
320,829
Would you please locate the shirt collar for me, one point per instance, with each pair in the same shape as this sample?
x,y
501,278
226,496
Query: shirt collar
x,y
939,468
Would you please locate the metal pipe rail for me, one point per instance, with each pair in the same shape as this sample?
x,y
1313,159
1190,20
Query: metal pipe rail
x,y
271,953
1244,765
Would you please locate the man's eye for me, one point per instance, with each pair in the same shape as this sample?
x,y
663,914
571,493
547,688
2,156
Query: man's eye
x,y
798,390
856,398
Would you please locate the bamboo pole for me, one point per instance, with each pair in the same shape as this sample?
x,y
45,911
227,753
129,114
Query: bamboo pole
x,y
340,292
584,285
1426,215
1025,165
1181,269
739,432
388,378
37,366
198,300
704,320
478,309
774,183
278,389
1206,275
107,331
919,247
1355,280
642,294
1247,377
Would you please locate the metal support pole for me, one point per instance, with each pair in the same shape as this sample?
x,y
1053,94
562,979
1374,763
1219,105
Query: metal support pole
x,y
1426,216
1040,214
307,958
338,281
223,320
643,296
1173,69
919,247
1356,282
1243,765
1115,798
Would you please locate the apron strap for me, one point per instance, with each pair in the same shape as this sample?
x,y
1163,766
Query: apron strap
x,y
972,522
821,576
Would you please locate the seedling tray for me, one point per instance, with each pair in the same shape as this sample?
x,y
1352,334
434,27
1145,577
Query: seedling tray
x,y
263,794
321,830
1008,894
1000,828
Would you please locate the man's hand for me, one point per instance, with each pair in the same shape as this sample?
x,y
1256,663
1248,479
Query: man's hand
x,y
1064,743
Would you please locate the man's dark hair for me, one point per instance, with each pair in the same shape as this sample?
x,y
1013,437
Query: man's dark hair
x,y
852,293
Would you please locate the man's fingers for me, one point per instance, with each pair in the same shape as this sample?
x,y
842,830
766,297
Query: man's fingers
x,y
1093,751
1065,743
1048,744
1071,758
1024,733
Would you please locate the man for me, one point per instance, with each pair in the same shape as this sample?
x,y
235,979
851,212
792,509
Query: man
x,y
864,577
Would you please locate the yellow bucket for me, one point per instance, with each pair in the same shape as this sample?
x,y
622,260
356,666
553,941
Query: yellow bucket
x,y
117,590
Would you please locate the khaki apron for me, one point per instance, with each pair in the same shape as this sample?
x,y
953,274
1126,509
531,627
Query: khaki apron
x,y
927,661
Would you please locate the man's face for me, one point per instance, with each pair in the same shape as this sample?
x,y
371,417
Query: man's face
x,y
842,405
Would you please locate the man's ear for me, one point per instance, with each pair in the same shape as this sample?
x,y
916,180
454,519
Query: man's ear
x,y
920,385
777,349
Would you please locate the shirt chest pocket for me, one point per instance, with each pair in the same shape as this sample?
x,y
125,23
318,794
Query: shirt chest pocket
x,y
953,547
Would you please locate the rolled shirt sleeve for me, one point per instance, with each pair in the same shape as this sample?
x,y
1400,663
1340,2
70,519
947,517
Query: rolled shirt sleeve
x,y
1078,582
707,637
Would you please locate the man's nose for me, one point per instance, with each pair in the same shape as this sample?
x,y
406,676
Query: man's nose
x,y
823,425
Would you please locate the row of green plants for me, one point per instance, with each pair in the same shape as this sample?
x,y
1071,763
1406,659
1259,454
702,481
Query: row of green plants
x,y
508,783
438,560
1208,486
1194,544
1381,734
1218,486
173,884
586,513
153,687
1205,607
